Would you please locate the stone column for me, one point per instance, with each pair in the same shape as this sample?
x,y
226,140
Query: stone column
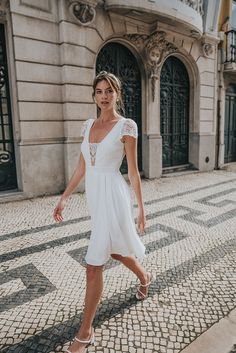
x,y
78,47
152,141
207,65
38,93
154,49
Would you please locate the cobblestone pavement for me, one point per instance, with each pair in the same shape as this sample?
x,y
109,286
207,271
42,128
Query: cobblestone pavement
x,y
191,246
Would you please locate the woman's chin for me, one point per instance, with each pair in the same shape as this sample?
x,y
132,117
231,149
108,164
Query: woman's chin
x,y
105,107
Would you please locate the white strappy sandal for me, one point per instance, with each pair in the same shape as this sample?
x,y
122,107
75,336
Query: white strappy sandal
x,y
91,341
140,295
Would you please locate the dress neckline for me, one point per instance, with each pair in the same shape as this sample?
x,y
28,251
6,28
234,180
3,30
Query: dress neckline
x,y
109,132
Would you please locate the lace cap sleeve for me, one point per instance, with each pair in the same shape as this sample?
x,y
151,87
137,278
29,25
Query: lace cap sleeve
x,y
129,128
83,128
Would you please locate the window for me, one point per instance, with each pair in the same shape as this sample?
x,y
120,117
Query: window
x,y
233,16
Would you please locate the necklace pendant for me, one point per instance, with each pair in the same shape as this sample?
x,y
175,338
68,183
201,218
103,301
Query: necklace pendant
x,y
93,150
92,161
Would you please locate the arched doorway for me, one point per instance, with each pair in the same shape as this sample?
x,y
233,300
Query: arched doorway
x,y
230,125
174,113
118,59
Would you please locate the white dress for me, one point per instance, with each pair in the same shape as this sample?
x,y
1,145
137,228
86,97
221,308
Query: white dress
x,y
108,196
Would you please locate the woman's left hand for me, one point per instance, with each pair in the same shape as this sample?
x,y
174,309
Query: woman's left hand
x,y
141,221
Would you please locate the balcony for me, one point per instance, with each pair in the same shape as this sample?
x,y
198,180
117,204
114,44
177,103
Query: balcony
x,y
186,15
230,51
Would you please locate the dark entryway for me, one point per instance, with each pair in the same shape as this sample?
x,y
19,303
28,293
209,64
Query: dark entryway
x,y
174,113
230,125
7,159
119,60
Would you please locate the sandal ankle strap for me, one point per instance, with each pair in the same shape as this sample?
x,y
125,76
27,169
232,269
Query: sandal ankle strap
x,y
142,294
82,341
145,285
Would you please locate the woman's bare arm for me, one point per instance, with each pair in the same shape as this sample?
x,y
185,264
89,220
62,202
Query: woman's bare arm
x,y
73,183
130,144
75,179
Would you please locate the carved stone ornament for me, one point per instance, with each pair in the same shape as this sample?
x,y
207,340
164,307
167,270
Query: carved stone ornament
x,y
207,49
154,48
2,14
4,6
5,157
83,11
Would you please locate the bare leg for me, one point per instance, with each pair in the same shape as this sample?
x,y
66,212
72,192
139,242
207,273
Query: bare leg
x,y
93,294
132,264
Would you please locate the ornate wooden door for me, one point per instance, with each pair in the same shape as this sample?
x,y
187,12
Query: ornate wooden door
x,y
230,125
7,158
119,60
174,112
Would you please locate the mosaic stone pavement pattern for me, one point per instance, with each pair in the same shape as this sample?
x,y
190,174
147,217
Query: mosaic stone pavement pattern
x,y
190,240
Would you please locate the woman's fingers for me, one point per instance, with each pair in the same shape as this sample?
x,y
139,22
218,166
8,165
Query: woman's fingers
x,y
58,218
57,214
141,226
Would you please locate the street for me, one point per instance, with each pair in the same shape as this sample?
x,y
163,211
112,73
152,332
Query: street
x,y
190,243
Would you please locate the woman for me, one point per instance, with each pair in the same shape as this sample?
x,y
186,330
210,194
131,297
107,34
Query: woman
x,y
105,142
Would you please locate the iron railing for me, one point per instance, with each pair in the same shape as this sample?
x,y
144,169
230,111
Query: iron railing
x,y
197,5
230,54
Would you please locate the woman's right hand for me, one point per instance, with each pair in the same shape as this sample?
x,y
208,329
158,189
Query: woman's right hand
x,y
57,214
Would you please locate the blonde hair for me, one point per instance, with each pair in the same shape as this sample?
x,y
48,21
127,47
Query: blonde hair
x,y
115,83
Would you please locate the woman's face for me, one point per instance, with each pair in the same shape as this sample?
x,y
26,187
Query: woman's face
x,y
105,96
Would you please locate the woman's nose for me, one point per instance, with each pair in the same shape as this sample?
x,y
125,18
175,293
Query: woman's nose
x,y
104,95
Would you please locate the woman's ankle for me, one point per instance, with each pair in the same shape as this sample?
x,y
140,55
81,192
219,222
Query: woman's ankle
x,y
85,332
144,278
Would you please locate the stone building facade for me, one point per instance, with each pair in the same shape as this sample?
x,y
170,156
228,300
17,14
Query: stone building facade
x,y
165,52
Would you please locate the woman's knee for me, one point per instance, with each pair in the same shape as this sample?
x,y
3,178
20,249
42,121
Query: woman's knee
x,y
92,271
116,257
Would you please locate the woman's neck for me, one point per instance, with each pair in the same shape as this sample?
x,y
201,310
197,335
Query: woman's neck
x,y
108,116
